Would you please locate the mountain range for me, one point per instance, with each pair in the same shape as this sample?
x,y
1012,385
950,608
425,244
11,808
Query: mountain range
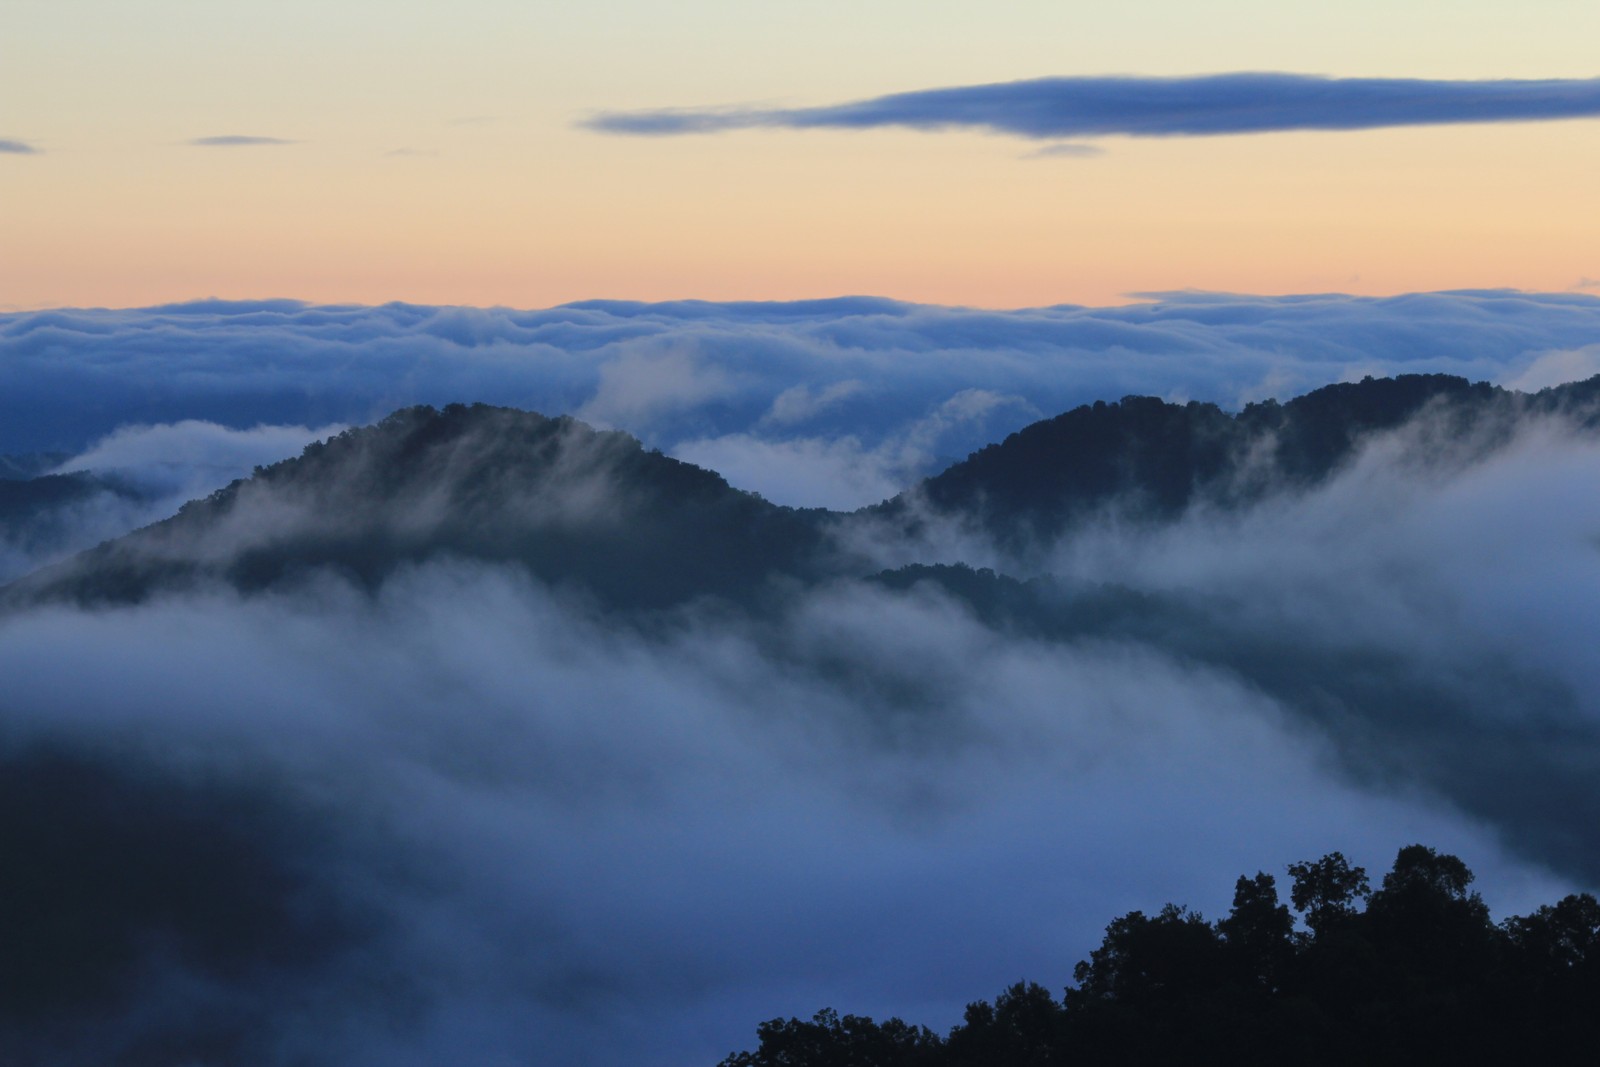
x,y
596,513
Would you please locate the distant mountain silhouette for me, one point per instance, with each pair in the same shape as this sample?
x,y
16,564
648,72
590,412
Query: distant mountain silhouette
x,y
574,505
1152,459
40,516
24,499
19,467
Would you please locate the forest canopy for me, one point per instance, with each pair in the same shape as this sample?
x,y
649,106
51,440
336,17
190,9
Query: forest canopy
x,y
1413,970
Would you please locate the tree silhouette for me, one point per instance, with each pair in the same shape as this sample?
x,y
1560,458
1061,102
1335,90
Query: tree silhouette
x,y
1325,891
1258,935
1419,975
829,1040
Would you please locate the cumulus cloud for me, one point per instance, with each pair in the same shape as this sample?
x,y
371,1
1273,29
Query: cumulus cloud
x,y
17,148
1199,106
236,140
774,374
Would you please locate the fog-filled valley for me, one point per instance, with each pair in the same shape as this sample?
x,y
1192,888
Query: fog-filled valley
x,y
343,734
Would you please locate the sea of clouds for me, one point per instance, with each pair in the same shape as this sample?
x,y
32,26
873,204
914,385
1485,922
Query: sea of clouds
x,y
835,403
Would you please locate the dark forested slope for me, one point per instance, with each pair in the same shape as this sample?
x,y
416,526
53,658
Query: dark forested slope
x,y
1152,459
572,504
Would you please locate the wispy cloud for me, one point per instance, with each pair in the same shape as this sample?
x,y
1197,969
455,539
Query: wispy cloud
x,y
1067,150
17,148
236,140
1204,105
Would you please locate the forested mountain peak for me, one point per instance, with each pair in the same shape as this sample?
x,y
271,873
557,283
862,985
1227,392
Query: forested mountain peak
x,y
569,502
1152,458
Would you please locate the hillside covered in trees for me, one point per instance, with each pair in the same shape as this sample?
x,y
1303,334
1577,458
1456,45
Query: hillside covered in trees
x,y
1410,972
576,507
1151,459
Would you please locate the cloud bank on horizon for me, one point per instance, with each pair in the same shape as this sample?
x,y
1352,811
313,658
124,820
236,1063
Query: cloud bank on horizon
x,y
1135,106
835,403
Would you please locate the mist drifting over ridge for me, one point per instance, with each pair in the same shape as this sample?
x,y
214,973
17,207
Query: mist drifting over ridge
x,y
501,819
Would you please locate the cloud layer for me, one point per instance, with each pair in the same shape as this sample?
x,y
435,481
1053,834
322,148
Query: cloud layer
x,y
487,822
16,148
1201,106
815,402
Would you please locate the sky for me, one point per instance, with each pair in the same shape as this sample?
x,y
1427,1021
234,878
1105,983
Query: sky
x,y
480,153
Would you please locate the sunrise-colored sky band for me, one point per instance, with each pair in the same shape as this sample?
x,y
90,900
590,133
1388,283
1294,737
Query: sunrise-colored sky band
x,y
369,152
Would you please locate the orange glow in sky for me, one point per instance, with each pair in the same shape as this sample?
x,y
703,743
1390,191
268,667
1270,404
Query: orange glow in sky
x,y
438,158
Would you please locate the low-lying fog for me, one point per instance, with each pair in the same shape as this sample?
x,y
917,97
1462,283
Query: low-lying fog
x,y
468,820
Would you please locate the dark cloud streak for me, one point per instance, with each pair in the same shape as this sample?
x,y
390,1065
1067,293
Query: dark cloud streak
x,y
17,148
1201,106
236,140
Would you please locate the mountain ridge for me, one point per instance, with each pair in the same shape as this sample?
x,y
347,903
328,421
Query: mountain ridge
x,y
596,511
1153,459
474,481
